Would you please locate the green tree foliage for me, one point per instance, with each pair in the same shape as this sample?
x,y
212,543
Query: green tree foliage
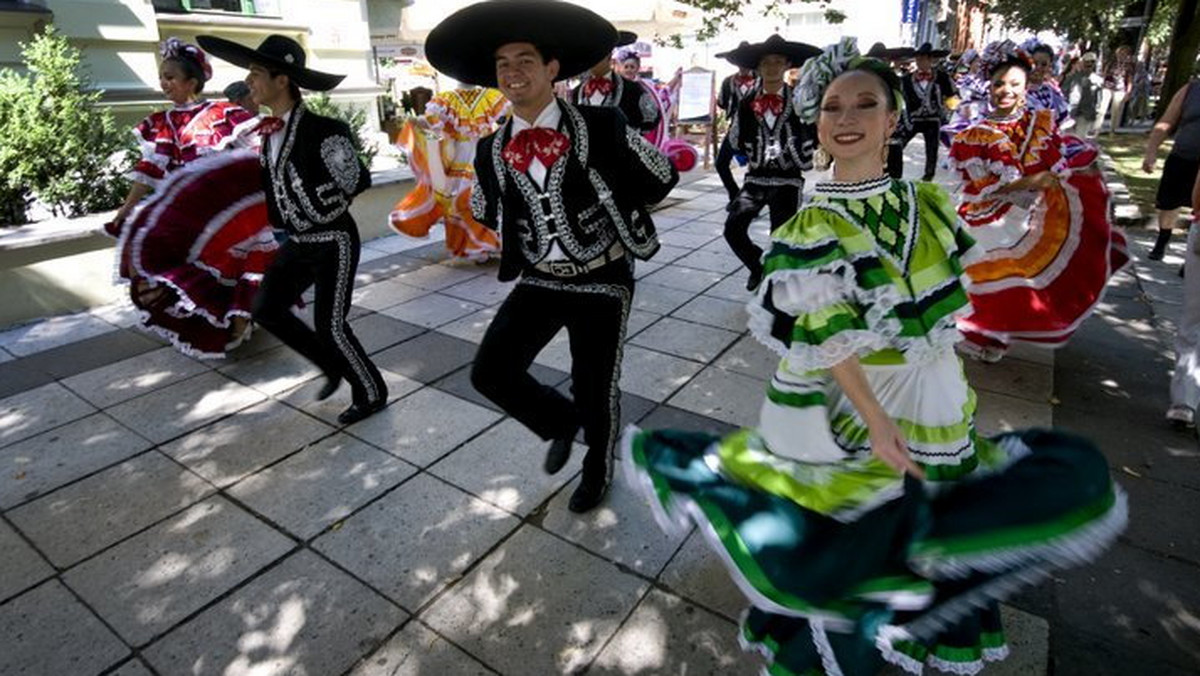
x,y
1088,20
59,145
723,15
353,116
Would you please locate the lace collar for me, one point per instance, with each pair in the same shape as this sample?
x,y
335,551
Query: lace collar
x,y
867,188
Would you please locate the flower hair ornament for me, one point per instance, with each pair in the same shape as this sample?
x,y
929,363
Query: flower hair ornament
x,y
174,48
1000,51
816,74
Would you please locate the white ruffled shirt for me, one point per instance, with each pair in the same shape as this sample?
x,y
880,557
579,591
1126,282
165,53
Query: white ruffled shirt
x,y
549,118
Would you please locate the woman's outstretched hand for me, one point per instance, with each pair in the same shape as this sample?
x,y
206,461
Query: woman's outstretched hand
x,y
889,445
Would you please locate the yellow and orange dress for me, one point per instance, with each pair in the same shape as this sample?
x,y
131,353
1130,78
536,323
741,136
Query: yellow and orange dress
x,y
442,159
1049,254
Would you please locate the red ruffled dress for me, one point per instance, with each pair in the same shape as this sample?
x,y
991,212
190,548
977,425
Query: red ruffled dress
x,y
195,251
1049,254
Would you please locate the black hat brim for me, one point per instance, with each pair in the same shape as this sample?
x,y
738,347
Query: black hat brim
x,y
749,56
626,38
242,56
464,44
892,53
932,53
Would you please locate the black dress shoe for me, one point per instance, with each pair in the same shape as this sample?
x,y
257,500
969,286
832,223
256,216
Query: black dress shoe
x,y
1160,245
591,492
559,453
357,412
332,383
754,280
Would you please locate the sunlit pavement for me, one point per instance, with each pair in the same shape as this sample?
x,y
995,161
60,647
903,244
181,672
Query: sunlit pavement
x,y
166,515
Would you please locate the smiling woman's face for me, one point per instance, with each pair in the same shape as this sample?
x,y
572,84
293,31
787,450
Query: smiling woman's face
x,y
1008,89
855,122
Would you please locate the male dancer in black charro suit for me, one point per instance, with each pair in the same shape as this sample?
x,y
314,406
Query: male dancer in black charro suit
x,y
311,172
605,87
568,187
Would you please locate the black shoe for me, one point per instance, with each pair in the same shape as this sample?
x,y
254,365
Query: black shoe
x,y
332,383
357,412
559,453
927,178
588,494
754,280
1160,245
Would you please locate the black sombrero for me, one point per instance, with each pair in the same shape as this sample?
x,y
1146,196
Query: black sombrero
x,y
882,51
277,53
725,55
748,56
626,38
464,44
928,50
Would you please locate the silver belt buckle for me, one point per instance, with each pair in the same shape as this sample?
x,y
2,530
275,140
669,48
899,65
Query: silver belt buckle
x,y
562,268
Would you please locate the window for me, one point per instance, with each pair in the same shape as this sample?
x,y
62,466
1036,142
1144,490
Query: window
x,y
267,7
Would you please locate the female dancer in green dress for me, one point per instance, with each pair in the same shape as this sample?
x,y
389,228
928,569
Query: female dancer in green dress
x,y
864,518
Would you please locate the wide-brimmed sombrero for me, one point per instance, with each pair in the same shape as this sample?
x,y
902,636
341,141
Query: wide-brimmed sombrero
x,y
748,55
928,50
464,44
277,53
882,51
725,55
625,38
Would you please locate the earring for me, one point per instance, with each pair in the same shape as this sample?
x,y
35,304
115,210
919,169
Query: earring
x,y
821,158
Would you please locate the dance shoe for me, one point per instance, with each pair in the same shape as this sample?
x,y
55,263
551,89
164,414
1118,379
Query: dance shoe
x,y
357,412
332,383
754,280
591,492
1160,245
559,453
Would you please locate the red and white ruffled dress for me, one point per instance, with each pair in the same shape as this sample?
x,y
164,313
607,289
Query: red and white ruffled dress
x,y
1049,254
195,251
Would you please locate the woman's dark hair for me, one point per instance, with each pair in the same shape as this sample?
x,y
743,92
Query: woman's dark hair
x,y
629,55
884,73
1012,61
191,70
1043,49
293,88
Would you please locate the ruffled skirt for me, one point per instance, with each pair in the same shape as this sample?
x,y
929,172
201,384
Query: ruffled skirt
x,y
912,580
196,251
1046,266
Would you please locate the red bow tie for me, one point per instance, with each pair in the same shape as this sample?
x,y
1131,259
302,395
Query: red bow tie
x,y
542,143
923,77
601,85
743,80
767,103
269,125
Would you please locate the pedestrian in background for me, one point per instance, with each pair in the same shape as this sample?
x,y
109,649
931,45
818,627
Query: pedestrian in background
x,y
1185,381
1082,88
1118,80
238,93
1182,118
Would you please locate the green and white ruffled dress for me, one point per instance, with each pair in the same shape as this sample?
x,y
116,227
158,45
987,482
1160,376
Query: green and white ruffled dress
x,y
846,562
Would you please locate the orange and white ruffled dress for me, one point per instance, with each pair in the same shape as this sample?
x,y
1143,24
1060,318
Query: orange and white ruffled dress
x,y
442,160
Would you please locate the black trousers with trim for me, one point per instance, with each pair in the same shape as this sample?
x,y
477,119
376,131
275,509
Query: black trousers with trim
x,y
327,261
724,164
594,309
783,202
930,131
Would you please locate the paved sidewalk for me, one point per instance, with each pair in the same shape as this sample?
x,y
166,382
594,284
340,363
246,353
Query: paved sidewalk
x,y
164,515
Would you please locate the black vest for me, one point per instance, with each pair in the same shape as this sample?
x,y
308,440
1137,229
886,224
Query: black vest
x,y
638,105
595,194
779,154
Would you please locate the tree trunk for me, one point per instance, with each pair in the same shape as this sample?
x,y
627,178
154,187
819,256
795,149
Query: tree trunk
x,y
1181,61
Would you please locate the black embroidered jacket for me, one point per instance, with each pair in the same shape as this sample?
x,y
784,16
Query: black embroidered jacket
x,y
316,175
595,194
638,104
730,96
927,103
778,154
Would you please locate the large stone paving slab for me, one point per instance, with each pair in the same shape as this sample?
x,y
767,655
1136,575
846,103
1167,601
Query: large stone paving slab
x,y
658,299
20,566
433,310
1016,378
485,290
654,375
998,413
376,332
536,605
724,395
273,371
750,358
47,631
134,377
459,383
417,539
302,617
712,311
427,358
621,529
40,464
472,327
697,574
321,484
230,449
424,426
385,294
685,279
417,651
685,339
52,332
34,411
504,467
669,417
83,518
668,635
184,406
438,277
151,581
733,287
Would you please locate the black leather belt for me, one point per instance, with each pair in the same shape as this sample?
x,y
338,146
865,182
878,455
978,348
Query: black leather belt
x,y
569,268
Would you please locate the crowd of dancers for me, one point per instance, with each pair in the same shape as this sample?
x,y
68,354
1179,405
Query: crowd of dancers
x,y
864,517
